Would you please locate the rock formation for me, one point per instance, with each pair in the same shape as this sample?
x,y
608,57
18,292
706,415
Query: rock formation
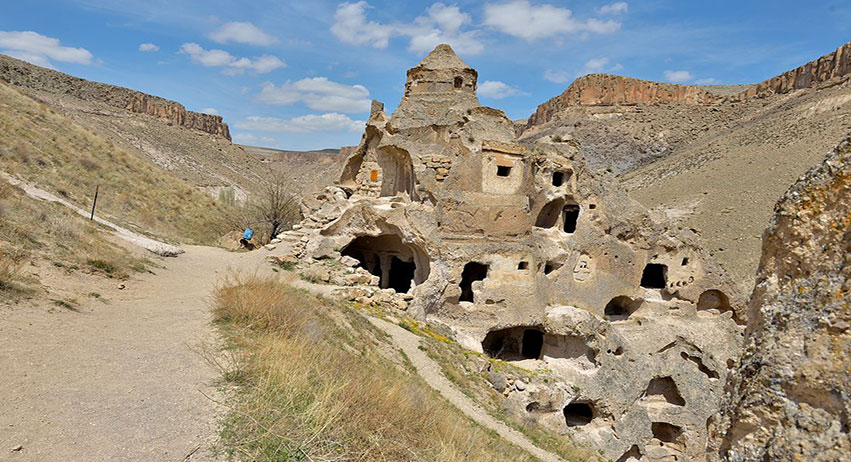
x,y
790,397
23,74
614,90
530,257
829,67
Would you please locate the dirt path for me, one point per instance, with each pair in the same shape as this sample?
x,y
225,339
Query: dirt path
x,y
118,380
157,247
431,373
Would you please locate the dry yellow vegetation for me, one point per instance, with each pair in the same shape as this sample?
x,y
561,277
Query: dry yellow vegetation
x,y
316,382
53,152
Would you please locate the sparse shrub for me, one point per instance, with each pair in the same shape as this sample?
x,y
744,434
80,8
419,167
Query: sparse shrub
x,y
101,265
557,138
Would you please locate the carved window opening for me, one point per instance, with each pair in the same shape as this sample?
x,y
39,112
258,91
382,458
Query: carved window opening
x,y
459,82
558,179
473,271
654,276
570,214
503,170
523,265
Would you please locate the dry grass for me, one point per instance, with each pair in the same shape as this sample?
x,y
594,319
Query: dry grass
x,y
32,230
314,387
55,153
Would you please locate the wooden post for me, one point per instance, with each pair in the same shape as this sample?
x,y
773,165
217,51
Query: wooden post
x,y
94,202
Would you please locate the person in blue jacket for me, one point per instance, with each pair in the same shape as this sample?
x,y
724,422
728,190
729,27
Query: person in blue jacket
x,y
246,239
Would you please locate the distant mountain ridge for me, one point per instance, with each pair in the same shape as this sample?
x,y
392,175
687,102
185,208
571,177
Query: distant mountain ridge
x,y
615,90
23,74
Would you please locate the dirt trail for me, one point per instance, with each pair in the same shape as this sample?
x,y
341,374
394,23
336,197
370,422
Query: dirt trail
x,y
118,380
430,372
157,247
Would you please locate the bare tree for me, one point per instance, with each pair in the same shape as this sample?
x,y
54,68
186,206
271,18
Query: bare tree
x,y
276,206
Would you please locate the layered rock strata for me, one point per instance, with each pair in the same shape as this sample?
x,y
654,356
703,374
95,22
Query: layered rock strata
x,y
20,73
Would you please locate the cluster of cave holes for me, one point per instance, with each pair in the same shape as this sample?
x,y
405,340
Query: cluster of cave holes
x,y
387,257
472,272
557,210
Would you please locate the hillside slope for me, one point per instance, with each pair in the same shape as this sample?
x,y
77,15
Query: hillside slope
x,y
306,172
195,147
716,157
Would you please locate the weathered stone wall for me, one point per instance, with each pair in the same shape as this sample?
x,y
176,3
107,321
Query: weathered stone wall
x,y
20,73
790,397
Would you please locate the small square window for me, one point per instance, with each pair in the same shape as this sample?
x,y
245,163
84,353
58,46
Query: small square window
x,y
503,170
523,265
558,178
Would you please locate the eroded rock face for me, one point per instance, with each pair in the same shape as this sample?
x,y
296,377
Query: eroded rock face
x,y
530,257
612,90
790,398
829,67
21,73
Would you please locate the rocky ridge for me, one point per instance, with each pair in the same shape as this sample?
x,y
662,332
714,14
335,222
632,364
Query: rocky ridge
x,y
614,90
789,397
20,73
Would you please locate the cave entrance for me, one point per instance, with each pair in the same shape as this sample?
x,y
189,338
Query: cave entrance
x,y
621,308
570,214
472,272
578,413
514,343
664,389
549,214
558,179
399,266
713,299
654,276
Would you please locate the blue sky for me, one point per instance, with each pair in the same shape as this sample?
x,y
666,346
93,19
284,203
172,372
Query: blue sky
x,y
300,75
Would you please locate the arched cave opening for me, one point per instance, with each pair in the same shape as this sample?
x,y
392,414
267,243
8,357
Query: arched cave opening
x,y
654,276
668,434
472,272
621,308
570,214
664,389
549,214
514,343
397,171
399,266
578,413
713,299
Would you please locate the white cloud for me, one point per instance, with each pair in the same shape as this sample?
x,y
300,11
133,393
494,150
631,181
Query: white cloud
x,y
244,138
39,49
596,65
351,26
614,8
317,93
242,32
522,19
149,47
232,65
707,81
311,123
440,24
557,76
496,90
678,76
210,111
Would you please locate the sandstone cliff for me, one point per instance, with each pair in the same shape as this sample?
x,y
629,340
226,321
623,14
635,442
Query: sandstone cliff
x,y
789,398
23,74
830,66
614,90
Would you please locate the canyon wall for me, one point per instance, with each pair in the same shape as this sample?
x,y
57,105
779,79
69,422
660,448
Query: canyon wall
x,y
23,74
829,66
